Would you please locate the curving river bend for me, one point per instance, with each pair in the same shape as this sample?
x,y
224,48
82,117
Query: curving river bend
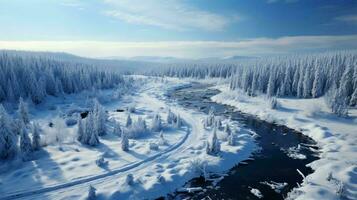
x,y
269,164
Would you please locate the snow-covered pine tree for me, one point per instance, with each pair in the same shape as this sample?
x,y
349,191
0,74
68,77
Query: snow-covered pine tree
x,y
170,117
23,111
94,139
129,121
307,85
81,137
100,118
317,86
156,124
25,144
231,139
271,85
124,142
353,100
178,122
346,87
90,134
214,147
227,129
36,138
217,123
8,140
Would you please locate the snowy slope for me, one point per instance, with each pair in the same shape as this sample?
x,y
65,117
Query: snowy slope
x,y
336,171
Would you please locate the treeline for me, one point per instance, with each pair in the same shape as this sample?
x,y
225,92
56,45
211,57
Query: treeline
x,y
35,77
333,74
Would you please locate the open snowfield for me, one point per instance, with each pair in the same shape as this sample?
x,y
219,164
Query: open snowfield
x,y
64,169
335,173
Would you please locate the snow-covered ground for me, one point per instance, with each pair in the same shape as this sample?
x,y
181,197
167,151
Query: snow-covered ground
x,y
65,168
335,173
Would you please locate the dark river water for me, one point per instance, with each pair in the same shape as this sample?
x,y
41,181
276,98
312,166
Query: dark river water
x,y
269,164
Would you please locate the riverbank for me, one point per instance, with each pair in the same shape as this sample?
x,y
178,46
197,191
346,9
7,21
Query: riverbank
x,y
336,171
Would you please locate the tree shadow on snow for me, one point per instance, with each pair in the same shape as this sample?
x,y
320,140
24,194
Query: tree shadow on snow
x,y
31,175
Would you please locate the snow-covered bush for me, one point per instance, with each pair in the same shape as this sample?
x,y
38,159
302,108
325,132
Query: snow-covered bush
x,y
91,193
101,162
156,124
129,179
137,129
153,146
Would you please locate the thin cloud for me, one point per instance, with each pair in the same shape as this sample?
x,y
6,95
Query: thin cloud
x,y
168,14
190,49
352,19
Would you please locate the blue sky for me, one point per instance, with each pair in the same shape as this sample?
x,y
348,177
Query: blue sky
x,y
181,28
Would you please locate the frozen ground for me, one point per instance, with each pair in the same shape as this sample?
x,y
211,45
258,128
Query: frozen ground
x,y
335,173
65,168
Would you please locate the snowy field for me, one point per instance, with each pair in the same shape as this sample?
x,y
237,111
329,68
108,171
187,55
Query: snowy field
x,y
157,162
335,173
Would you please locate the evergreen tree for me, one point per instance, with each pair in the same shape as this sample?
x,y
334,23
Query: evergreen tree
x,y
353,100
214,147
25,144
156,124
271,85
307,84
100,118
317,86
23,111
80,131
36,138
231,139
346,88
129,121
124,142
227,129
8,140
